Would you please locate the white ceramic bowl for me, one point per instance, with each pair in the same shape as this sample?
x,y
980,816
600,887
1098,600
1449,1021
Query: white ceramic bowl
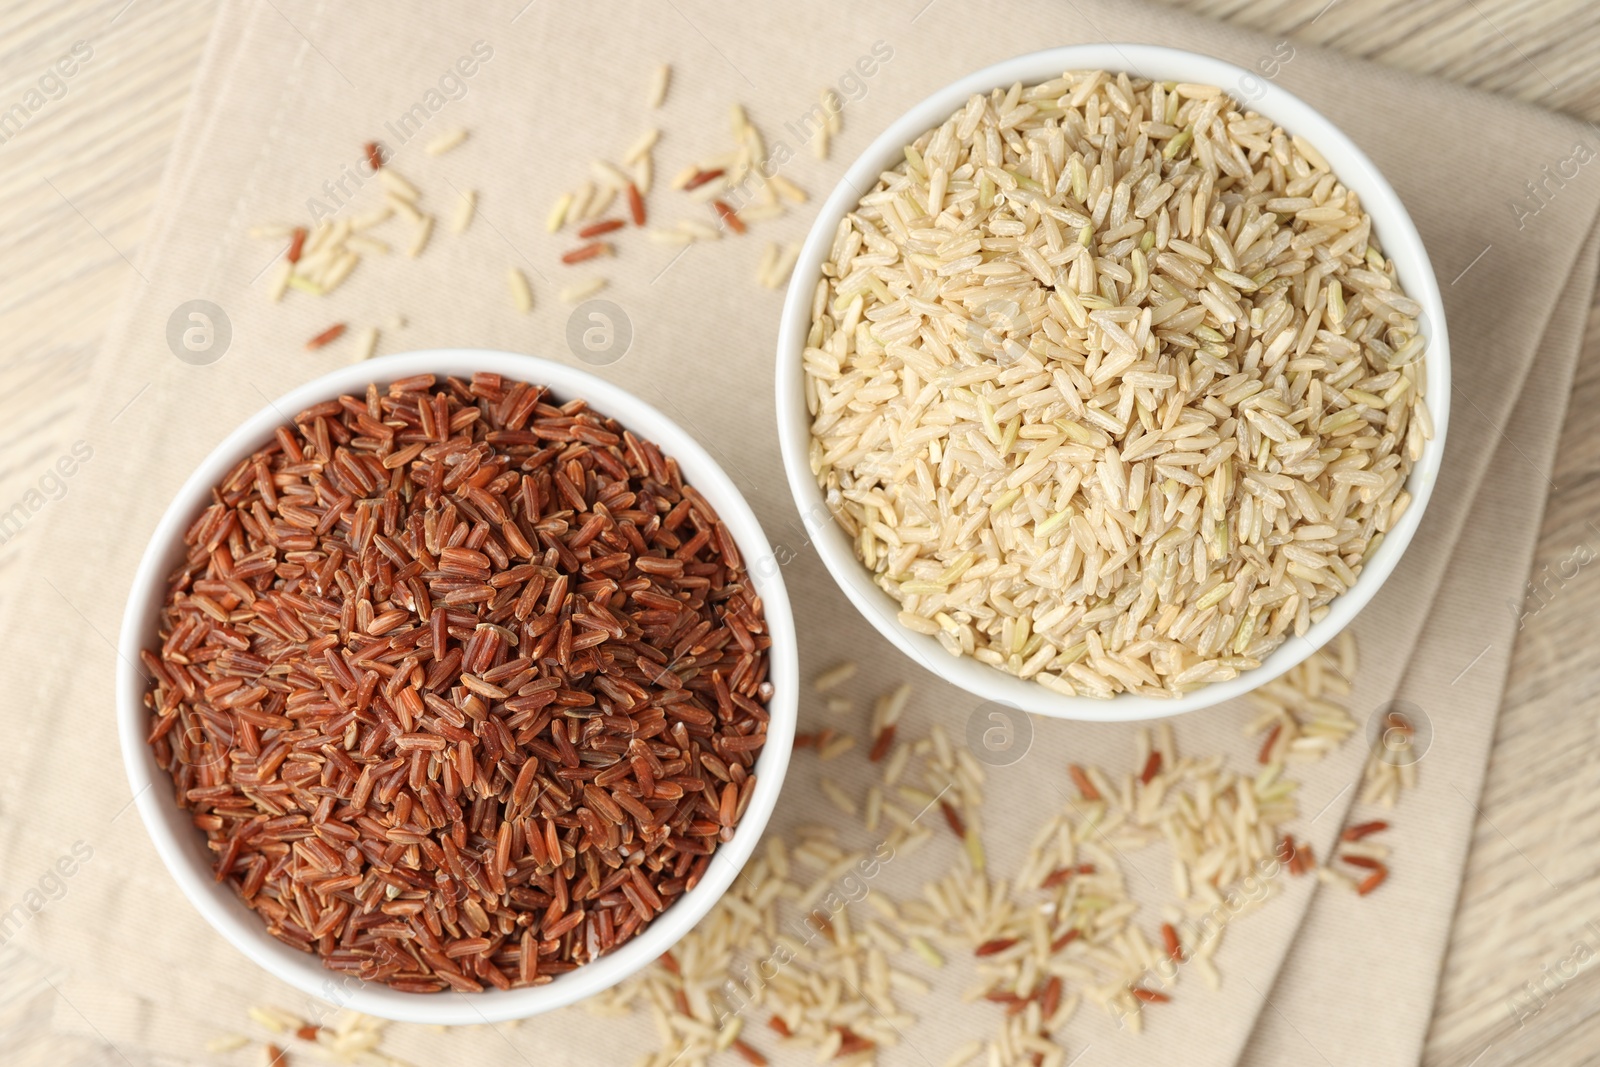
x,y
182,847
1391,223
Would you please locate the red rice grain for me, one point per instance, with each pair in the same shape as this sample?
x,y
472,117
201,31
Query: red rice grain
x,y
1080,778
1298,858
1061,875
588,251
326,337
1050,999
851,1043
995,947
729,216
1169,938
1364,829
748,1054
953,818
882,744
702,177
1271,740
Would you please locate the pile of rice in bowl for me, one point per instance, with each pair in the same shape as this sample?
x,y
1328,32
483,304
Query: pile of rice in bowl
x,y
463,686
1112,384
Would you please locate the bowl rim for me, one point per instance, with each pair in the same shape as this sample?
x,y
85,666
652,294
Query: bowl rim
x,y
1391,223
180,846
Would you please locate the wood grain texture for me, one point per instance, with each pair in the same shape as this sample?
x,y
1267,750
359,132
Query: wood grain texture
x,y
78,180
1529,895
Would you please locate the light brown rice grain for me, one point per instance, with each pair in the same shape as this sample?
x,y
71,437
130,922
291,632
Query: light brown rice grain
x,y
419,236
659,81
576,294
521,292
445,142
466,207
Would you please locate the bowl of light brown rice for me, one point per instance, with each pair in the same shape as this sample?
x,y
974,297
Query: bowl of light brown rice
x,y
1112,397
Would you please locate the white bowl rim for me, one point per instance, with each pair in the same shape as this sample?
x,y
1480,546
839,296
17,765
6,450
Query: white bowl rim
x,y
179,844
1391,223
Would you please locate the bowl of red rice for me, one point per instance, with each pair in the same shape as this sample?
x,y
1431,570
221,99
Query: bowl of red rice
x,y
456,686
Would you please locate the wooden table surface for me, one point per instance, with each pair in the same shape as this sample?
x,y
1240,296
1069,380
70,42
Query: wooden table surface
x,y
77,184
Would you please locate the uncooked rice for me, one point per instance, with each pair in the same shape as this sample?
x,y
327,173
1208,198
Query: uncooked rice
x,y
835,676
419,236
367,345
443,143
466,207
321,257
397,185
1392,763
558,213
226,1043
341,1037
1040,941
521,292
658,85
1111,385
463,687
575,294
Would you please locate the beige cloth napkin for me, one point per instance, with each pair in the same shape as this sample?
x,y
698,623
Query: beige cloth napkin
x,y
1459,667
287,94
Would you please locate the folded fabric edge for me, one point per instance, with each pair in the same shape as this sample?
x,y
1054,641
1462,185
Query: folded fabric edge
x,y
1272,1032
